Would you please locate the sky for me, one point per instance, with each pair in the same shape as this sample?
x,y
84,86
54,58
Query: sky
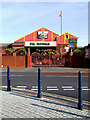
x,y
21,18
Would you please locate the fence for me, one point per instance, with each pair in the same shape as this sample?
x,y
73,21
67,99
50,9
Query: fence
x,y
76,61
14,61
39,60
45,61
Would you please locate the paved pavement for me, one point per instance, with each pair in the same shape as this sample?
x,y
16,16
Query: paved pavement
x,y
47,69
19,104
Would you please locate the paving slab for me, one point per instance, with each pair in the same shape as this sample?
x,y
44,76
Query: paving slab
x,y
21,105
46,69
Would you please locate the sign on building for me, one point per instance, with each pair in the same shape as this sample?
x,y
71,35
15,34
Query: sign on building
x,y
42,34
40,44
72,40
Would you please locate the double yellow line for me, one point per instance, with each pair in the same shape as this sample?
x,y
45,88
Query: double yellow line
x,y
44,93
70,98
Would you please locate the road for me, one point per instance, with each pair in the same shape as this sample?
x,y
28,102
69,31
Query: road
x,y
61,85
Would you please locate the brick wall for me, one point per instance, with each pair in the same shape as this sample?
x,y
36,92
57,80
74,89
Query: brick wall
x,y
59,46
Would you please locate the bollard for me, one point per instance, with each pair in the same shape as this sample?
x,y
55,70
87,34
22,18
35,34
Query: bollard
x,y
39,83
80,104
8,79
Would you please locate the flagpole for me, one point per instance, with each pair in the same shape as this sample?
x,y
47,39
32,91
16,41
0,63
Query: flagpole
x,y
61,37
61,33
61,22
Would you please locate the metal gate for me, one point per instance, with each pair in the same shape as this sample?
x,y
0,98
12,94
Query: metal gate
x,y
47,58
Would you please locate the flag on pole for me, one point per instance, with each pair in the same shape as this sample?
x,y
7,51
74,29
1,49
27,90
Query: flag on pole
x,y
60,14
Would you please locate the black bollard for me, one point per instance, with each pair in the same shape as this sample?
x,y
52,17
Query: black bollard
x,y
8,79
80,104
39,83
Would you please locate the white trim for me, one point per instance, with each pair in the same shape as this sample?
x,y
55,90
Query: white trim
x,y
40,43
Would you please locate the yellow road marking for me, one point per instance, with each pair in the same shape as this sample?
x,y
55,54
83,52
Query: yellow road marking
x,y
52,94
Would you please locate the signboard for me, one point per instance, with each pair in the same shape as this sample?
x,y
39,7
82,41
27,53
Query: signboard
x,y
42,34
72,40
40,44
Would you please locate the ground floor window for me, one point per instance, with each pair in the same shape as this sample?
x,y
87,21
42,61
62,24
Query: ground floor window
x,y
40,49
71,45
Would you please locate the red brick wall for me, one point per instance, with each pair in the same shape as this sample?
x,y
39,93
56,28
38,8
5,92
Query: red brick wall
x,y
60,39
63,48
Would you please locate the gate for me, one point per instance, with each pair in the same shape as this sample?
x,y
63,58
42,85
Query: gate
x,y
48,58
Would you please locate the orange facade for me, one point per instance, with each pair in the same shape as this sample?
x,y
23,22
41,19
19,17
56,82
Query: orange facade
x,y
65,39
46,38
34,36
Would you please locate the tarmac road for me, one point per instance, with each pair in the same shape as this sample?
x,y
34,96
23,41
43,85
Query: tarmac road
x,y
61,85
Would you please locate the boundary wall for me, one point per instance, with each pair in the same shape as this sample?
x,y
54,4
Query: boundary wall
x,y
26,62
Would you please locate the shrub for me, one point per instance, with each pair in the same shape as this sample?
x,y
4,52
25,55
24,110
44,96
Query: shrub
x,y
9,51
21,51
77,52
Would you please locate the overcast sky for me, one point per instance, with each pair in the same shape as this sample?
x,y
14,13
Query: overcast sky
x,y
22,18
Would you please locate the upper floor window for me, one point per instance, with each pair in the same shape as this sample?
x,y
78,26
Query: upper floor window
x,y
66,36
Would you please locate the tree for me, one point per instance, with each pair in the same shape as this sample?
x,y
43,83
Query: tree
x,y
21,52
9,51
77,52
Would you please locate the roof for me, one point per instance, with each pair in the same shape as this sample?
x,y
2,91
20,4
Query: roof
x,y
23,38
5,44
18,43
68,33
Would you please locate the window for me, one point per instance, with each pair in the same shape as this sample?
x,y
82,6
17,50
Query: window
x,y
71,45
66,36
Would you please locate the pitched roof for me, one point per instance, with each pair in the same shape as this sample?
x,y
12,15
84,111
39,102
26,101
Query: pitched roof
x,y
22,39
5,44
68,33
